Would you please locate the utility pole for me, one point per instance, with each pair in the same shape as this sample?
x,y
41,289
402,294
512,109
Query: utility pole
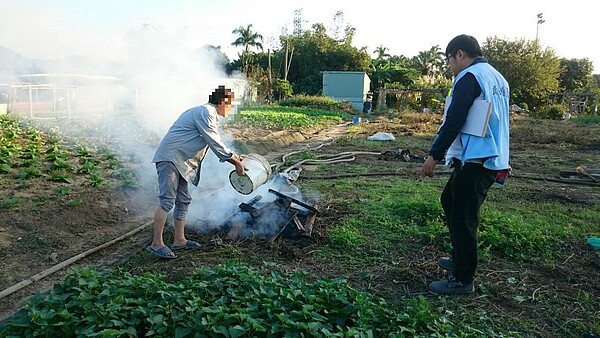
x,y
285,61
539,22
270,93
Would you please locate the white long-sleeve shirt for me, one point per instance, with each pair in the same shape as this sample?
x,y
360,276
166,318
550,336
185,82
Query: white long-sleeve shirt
x,y
188,139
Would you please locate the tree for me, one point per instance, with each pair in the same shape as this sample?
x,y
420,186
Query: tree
x,y
382,53
576,75
388,72
282,89
430,62
531,72
316,51
247,39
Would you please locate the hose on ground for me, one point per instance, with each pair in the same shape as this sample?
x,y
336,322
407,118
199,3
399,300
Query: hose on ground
x,y
319,159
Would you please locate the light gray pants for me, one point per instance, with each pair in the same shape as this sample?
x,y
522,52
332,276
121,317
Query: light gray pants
x,y
172,190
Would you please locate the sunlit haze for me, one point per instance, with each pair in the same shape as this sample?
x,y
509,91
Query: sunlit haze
x,y
59,28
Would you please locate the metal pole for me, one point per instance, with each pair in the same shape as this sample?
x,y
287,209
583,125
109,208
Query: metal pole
x,y
540,21
30,102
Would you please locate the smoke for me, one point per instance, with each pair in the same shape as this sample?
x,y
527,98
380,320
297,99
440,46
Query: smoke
x,y
132,95
130,87
215,201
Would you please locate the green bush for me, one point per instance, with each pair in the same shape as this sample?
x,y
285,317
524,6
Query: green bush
x,y
552,112
524,106
282,88
228,301
319,102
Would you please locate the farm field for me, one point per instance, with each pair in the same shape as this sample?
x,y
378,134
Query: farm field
x,y
380,229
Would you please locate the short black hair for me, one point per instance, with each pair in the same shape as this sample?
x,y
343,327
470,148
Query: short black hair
x,y
466,43
221,94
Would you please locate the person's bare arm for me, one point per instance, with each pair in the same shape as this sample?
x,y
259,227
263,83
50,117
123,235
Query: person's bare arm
x,y
238,162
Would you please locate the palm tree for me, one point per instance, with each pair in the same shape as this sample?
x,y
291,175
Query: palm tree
x,y
430,62
247,39
382,53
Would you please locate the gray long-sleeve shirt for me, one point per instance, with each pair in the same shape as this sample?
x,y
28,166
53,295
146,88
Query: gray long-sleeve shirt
x,y
188,139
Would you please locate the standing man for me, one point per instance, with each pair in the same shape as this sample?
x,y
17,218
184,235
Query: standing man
x,y
368,103
178,160
477,161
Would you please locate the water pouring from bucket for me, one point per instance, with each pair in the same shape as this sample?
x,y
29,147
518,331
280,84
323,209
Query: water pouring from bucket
x,y
259,171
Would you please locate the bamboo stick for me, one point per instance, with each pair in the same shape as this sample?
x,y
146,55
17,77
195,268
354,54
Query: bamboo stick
x,y
59,266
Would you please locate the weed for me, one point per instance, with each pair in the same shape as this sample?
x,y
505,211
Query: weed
x,y
60,176
586,119
23,184
307,154
73,202
29,163
128,183
88,161
5,168
123,174
62,191
114,164
10,202
60,163
32,152
83,151
28,173
95,180
510,234
88,168
346,237
106,154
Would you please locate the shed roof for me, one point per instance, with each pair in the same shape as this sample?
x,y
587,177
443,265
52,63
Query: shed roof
x,y
341,71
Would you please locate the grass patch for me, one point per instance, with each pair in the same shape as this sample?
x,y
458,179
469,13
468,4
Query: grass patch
x,y
389,211
280,118
586,119
320,102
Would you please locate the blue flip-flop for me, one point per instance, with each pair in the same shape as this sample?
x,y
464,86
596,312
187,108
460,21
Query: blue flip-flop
x,y
188,245
162,252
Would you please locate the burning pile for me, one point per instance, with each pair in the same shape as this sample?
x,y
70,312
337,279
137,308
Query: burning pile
x,y
260,205
283,217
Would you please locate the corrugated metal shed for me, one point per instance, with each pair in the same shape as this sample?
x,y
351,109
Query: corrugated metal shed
x,y
347,86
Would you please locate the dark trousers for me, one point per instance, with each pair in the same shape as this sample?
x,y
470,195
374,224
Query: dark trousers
x,y
461,200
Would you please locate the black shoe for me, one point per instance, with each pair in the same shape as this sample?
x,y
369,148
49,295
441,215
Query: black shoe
x,y
446,263
451,286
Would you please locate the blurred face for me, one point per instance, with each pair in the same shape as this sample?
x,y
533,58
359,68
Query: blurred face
x,y
225,107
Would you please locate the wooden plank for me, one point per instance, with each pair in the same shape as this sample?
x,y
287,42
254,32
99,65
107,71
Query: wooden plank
x,y
307,206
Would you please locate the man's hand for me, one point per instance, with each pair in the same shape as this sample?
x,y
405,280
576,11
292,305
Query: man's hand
x,y
240,169
238,162
428,166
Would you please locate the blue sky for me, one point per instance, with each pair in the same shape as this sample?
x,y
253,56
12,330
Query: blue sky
x,y
59,28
